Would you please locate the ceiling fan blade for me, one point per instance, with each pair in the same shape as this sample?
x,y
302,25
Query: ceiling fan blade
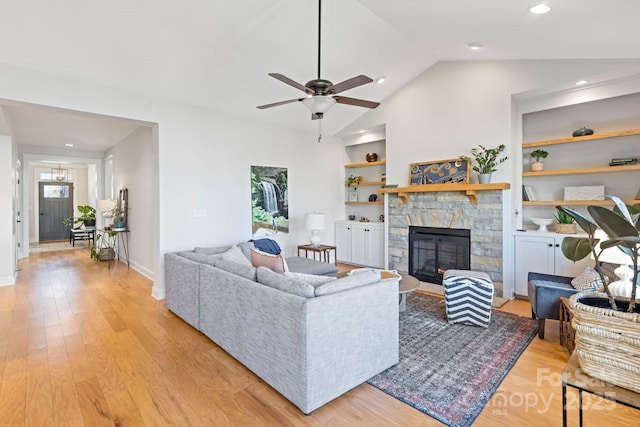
x,y
287,80
275,104
350,83
356,102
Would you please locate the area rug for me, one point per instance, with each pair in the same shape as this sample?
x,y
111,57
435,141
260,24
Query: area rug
x,y
450,372
57,246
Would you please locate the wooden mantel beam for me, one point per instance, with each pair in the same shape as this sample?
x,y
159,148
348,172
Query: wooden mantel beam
x,y
471,190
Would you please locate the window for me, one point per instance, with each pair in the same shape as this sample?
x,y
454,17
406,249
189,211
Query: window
x,y
52,191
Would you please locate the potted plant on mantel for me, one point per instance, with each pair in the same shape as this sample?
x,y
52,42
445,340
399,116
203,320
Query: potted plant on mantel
x,y
486,160
607,326
538,165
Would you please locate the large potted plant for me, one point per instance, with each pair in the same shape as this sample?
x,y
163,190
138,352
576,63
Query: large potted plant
x,y
486,161
87,216
607,326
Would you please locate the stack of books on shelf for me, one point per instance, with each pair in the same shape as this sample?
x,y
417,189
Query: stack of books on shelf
x,y
527,194
621,161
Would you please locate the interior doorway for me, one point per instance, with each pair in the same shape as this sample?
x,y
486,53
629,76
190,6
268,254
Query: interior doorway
x,y
55,205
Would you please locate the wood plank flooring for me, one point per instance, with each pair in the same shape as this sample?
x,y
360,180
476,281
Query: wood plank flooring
x,y
83,345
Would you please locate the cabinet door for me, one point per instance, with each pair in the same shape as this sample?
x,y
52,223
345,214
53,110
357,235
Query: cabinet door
x,y
533,254
376,246
343,241
360,243
566,267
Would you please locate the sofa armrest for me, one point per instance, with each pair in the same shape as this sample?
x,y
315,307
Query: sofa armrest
x,y
182,284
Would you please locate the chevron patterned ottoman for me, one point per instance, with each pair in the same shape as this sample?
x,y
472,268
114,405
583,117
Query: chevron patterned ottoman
x,y
468,296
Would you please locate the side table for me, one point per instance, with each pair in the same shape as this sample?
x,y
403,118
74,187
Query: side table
x,y
567,334
323,251
572,376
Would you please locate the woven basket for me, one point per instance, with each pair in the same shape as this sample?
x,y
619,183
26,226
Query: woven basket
x,y
566,228
607,341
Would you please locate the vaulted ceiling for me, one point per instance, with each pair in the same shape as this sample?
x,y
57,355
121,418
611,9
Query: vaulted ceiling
x,y
217,54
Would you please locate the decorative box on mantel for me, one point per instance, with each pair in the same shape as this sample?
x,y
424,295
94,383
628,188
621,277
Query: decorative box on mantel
x,y
471,190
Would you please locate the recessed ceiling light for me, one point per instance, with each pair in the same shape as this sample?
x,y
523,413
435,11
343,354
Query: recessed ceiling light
x,y
381,79
362,131
539,9
68,145
581,83
474,46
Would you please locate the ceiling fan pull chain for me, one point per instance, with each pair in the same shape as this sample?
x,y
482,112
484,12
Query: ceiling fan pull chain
x,y
319,130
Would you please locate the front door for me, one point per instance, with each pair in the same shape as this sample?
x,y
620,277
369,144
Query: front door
x,y
56,204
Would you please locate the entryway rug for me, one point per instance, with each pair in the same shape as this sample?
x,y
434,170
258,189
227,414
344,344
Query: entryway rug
x,y
450,372
57,246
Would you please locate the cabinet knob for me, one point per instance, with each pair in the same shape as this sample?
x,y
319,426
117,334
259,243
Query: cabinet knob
x,y
557,245
550,245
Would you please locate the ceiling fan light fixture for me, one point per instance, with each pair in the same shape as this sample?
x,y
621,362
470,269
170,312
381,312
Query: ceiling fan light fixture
x,y
319,104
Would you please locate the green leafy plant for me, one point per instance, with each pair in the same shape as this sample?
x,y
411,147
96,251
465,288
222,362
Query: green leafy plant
x,y
622,227
486,159
87,213
353,181
563,218
539,154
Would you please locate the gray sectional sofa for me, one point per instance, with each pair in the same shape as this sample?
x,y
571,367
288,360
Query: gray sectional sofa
x,y
311,338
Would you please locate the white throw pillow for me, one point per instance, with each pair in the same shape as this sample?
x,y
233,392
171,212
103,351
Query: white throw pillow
x,y
234,254
588,280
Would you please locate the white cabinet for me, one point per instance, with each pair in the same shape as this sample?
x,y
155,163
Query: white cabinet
x,y
360,243
542,253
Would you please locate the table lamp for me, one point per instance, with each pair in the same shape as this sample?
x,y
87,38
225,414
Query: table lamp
x,y
314,222
623,286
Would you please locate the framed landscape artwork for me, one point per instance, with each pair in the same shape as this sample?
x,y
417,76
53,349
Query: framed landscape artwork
x,y
452,171
269,200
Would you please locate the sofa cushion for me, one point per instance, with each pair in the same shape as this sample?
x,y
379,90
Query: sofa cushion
x,y
350,281
199,257
589,279
268,277
211,251
312,279
299,264
263,259
242,270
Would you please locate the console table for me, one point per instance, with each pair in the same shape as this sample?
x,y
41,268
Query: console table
x,y
115,238
572,376
323,251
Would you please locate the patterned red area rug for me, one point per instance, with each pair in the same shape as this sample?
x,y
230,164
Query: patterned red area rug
x,y
450,372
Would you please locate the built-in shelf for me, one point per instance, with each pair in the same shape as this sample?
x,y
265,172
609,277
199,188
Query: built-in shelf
x,y
469,189
367,183
604,169
359,165
576,202
364,203
581,138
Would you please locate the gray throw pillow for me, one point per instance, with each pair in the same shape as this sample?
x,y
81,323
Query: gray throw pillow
x,y
268,277
351,281
246,271
234,254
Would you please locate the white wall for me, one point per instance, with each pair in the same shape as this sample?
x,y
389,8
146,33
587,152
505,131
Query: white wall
x,y
7,235
204,163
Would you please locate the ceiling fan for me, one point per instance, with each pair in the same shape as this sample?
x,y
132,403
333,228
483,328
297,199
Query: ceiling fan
x,y
321,93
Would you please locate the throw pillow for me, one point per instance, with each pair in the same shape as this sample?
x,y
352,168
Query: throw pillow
x,y
234,254
263,259
268,277
589,279
311,279
242,270
350,281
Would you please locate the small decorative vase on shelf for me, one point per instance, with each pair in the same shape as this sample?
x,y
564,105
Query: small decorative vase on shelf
x,y
484,178
372,157
583,131
537,166
566,228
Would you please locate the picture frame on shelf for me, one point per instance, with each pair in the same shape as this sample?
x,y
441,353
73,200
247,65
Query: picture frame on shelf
x,y
451,171
353,196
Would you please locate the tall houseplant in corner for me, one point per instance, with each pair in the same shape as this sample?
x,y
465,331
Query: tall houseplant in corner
x,y
486,161
607,327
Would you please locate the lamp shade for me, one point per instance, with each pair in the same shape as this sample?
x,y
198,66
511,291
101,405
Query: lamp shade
x,y
314,221
624,285
105,205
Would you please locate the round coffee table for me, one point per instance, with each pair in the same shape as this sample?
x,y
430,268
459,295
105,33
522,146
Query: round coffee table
x,y
407,284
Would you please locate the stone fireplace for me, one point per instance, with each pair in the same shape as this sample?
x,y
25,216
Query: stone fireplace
x,y
453,210
434,250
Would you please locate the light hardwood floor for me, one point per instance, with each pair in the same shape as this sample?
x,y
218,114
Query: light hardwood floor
x,y
83,345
